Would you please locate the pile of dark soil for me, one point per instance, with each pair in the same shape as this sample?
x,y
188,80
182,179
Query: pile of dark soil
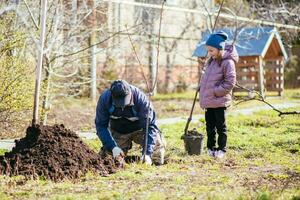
x,y
55,153
194,132
191,133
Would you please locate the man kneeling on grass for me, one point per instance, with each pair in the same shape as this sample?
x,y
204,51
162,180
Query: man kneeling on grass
x,y
121,117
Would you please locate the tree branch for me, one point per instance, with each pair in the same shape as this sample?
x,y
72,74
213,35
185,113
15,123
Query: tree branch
x,y
260,98
86,48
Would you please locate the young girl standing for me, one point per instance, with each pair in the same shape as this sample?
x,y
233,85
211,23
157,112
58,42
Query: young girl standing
x,y
216,87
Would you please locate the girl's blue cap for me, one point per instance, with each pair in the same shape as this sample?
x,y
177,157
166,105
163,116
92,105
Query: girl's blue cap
x,y
217,40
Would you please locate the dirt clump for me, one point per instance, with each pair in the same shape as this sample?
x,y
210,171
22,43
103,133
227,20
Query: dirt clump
x,y
194,132
55,153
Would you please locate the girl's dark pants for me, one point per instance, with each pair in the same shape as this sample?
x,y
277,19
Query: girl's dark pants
x,y
215,122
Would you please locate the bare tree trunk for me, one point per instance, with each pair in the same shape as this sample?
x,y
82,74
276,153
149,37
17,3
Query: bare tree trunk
x,y
119,22
93,70
39,65
46,98
111,29
93,55
168,73
153,68
150,59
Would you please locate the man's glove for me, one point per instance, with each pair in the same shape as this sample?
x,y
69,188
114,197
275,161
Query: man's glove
x,y
117,151
147,160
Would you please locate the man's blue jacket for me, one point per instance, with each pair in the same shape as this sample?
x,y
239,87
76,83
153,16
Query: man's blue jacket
x,y
140,105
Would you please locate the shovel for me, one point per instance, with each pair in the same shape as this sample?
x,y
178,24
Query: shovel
x,y
193,140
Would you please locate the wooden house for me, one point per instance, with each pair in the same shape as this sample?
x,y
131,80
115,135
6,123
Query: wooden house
x,y
262,57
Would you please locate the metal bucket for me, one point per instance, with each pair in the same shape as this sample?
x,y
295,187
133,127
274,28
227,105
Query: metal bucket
x,y
193,143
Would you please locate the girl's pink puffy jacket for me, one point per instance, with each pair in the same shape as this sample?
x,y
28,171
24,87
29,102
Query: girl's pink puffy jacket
x,y
218,81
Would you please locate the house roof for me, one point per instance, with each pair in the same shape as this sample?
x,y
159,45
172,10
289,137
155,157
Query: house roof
x,y
249,42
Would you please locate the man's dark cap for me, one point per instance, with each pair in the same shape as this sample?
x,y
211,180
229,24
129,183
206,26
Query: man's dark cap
x,y
121,93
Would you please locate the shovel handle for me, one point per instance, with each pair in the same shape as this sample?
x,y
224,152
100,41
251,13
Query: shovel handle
x,y
191,113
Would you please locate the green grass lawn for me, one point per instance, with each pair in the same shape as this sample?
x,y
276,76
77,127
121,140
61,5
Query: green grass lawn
x,y
2,151
166,106
263,162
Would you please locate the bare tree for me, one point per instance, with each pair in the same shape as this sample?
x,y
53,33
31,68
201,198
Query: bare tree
x,y
148,17
69,29
285,12
170,45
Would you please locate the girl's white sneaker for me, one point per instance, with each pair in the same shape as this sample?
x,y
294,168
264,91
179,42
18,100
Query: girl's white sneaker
x,y
211,152
220,154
